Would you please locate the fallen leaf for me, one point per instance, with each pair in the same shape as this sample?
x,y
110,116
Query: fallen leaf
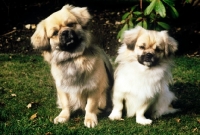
x,y
178,29
33,26
77,119
29,105
13,95
195,129
107,22
178,120
28,26
72,127
18,39
117,22
198,120
33,116
48,133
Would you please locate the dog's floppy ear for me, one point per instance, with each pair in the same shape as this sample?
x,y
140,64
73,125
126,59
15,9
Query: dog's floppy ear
x,y
130,36
171,45
39,38
81,14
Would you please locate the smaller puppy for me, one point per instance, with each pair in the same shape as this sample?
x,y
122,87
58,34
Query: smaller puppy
x,y
143,75
81,70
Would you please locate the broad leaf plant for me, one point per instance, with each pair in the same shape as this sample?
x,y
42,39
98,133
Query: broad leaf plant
x,y
154,16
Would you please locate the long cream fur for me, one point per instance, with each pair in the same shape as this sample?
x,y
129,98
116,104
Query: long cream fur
x,y
83,75
144,88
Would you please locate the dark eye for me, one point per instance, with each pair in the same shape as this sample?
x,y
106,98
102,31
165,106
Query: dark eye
x,y
71,24
157,49
55,33
141,47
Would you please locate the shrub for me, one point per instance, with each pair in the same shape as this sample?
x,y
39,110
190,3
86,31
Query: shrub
x,y
154,16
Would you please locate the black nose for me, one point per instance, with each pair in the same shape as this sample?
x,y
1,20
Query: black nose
x,y
68,40
67,37
148,57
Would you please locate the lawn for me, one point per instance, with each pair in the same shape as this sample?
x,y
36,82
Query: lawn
x,y
28,102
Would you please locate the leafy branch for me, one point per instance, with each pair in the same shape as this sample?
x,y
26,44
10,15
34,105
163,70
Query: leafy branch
x,y
152,17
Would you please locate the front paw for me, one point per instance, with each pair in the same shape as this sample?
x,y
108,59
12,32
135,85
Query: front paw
x,y
143,121
90,120
115,115
60,119
155,115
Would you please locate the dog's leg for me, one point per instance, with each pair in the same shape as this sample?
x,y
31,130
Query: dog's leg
x,y
163,105
130,105
64,103
116,113
102,100
140,118
91,110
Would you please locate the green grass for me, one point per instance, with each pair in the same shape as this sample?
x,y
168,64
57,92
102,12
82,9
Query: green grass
x,y
26,79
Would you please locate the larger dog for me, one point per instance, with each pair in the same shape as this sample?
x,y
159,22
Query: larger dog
x,y
82,72
143,75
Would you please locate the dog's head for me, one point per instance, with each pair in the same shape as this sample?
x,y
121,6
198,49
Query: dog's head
x,y
63,30
150,47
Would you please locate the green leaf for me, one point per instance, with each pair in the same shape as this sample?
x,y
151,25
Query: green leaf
x,y
144,24
163,25
133,8
130,24
139,18
137,13
160,8
123,21
152,16
125,27
149,9
125,16
157,28
188,1
119,35
169,2
139,24
174,12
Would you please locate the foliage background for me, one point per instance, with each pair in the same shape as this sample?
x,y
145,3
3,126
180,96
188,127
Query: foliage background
x,y
105,23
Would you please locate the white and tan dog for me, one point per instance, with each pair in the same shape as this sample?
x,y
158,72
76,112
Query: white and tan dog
x,y
81,70
143,75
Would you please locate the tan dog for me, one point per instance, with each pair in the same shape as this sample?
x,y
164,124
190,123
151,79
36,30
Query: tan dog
x,y
143,75
82,72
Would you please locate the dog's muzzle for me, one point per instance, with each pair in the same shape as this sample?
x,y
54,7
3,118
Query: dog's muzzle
x,y
68,40
147,59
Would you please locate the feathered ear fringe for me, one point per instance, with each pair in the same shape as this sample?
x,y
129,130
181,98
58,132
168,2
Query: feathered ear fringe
x,y
171,45
81,14
39,39
130,37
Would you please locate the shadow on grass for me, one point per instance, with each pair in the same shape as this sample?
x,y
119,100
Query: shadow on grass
x,y
188,95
